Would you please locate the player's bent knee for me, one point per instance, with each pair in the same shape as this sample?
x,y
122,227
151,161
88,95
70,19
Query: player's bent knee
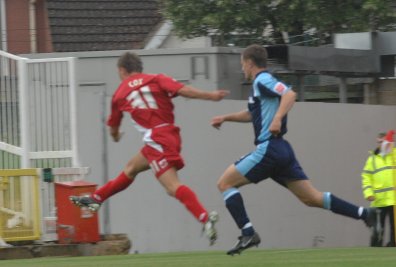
x,y
131,171
171,188
171,193
222,185
310,201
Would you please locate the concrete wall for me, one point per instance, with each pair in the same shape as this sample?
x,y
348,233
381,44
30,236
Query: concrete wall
x,y
206,68
387,92
330,140
381,91
385,42
382,42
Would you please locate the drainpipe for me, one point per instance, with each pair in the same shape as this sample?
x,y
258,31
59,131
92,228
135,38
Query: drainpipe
x,y
32,26
158,39
3,23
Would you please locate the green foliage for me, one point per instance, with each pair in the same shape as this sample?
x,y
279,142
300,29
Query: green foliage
x,y
265,20
216,17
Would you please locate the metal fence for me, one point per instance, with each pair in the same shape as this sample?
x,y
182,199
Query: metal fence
x,y
10,139
37,112
28,210
19,205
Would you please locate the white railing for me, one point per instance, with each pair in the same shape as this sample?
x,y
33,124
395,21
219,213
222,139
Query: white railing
x,y
37,112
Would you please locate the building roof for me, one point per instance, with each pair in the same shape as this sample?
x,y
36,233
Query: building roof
x,y
97,25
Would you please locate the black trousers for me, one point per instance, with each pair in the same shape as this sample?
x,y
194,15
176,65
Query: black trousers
x,y
377,239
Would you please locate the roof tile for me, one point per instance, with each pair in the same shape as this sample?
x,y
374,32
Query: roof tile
x,y
87,25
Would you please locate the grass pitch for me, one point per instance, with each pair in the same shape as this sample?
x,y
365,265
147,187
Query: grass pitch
x,y
333,257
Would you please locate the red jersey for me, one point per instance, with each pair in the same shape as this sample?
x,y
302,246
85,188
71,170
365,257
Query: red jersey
x,y
147,98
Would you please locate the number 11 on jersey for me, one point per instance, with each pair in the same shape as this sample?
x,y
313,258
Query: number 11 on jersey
x,y
142,98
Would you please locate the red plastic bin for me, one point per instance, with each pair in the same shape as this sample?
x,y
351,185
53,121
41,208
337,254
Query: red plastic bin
x,y
74,224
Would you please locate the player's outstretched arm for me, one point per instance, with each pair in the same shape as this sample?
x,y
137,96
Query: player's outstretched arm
x,y
191,92
241,116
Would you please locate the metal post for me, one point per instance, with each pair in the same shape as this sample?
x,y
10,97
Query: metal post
x,y
343,90
32,26
73,111
394,189
105,161
366,93
301,88
24,113
3,27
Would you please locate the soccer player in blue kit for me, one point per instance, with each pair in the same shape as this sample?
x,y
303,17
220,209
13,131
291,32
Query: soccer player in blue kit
x,y
268,105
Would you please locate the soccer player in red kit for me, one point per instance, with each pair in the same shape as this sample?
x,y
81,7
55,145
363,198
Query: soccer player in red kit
x,y
147,99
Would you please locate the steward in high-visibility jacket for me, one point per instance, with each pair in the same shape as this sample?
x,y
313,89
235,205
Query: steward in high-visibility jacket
x,y
378,188
377,179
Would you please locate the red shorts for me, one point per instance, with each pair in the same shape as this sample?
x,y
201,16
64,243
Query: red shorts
x,y
162,149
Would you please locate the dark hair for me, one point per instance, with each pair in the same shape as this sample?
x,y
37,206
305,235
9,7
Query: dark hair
x,y
257,54
131,62
381,135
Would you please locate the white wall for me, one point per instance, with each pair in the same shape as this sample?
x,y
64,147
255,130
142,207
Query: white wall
x,y
360,40
331,142
172,41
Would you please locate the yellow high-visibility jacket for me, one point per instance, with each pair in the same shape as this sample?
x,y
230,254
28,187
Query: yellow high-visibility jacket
x,y
378,179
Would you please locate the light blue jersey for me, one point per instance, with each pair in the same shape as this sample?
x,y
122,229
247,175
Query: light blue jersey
x,y
273,156
263,103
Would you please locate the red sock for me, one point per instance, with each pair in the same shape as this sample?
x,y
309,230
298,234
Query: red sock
x,y
186,196
112,187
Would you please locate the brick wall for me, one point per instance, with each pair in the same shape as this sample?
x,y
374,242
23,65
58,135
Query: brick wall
x,y
18,27
18,39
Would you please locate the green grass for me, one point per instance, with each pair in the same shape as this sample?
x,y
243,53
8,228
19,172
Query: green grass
x,y
333,257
